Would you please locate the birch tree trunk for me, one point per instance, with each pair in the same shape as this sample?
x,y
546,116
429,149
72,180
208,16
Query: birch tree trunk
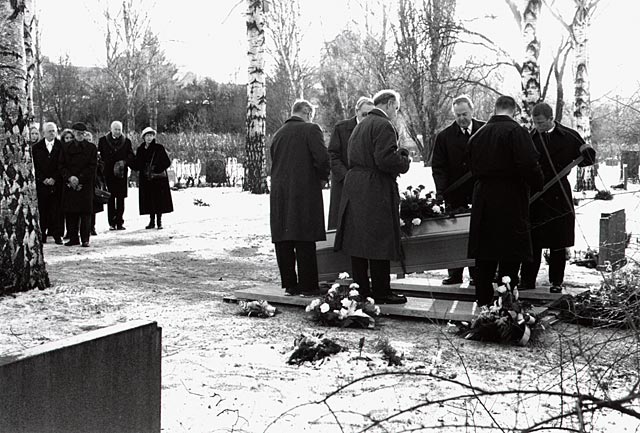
x,y
530,74
30,58
582,96
22,264
255,166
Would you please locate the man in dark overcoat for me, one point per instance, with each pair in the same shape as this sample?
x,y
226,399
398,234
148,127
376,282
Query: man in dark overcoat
x,y
300,169
449,164
504,164
552,214
46,153
369,217
338,153
77,164
117,155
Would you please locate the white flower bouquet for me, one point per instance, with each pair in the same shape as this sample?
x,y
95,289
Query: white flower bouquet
x,y
344,306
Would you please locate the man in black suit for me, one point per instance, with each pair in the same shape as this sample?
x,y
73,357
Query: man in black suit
x,y
299,170
504,164
117,155
449,164
48,183
77,163
338,147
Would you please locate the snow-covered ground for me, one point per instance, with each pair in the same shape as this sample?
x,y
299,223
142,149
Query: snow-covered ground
x,y
225,372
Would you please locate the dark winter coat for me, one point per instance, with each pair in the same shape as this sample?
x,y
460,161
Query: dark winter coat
x,y
338,148
154,195
113,150
552,214
78,159
45,166
449,163
300,166
369,216
504,164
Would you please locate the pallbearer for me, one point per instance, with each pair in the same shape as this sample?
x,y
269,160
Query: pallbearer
x,y
449,165
552,214
504,164
338,152
369,217
299,170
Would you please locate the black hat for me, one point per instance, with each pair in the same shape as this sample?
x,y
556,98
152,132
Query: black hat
x,y
79,126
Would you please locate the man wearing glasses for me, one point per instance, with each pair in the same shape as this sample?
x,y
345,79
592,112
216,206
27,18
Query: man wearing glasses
x,y
338,148
299,170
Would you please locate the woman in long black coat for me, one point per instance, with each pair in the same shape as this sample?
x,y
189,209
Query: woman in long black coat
x,y
152,162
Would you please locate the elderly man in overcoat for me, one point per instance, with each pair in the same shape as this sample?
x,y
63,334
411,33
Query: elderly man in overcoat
x,y
117,155
77,164
369,216
449,164
46,153
300,169
552,214
338,153
504,164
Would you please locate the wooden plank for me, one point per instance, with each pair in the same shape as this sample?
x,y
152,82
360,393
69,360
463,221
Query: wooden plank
x,y
465,292
416,307
439,243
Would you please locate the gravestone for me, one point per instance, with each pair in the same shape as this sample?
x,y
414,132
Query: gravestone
x,y
613,240
629,159
107,380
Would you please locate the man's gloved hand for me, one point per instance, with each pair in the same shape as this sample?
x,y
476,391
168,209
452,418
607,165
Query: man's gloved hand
x,y
588,153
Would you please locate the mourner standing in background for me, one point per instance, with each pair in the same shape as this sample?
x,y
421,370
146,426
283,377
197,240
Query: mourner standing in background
x,y
369,216
552,214
504,165
34,135
117,155
154,195
299,170
46,154
450,166
78,161
338,153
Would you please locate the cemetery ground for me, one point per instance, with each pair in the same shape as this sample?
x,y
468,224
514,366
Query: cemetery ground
x,y
225,372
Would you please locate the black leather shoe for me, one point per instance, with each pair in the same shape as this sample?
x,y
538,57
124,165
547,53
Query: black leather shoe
x,y
555,289
58,240
390,298
150,226
451,280
111,228
71,243
85,244
292,291
121,227
93,232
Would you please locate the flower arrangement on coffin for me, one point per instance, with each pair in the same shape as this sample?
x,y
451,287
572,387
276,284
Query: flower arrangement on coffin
x,y
343,306
259,308
415,206
508,320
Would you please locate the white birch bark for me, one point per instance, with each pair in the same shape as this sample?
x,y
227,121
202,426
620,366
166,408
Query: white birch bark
x,y
22,264
530,74
255,165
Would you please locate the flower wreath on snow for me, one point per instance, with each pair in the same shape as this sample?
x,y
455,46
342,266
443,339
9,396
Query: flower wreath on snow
x,y
344,306
508,320
416,206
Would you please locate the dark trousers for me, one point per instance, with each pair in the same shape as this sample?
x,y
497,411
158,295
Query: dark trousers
x,y
457,273
81,221
302,253
380,278
557,263
51,219
485,274
115,211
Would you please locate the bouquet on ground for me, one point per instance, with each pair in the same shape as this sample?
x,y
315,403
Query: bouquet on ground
x,y
344,306
416,206
508,320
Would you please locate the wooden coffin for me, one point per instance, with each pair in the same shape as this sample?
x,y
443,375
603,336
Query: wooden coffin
x,y
439,243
